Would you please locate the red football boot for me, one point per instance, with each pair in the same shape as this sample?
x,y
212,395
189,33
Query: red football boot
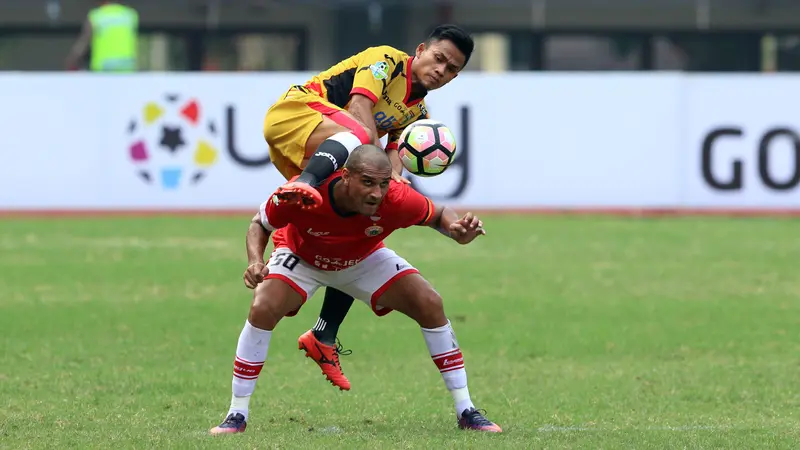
x,y
326,356
299,193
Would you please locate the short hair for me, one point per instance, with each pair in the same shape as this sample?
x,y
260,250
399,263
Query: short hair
x,y
366,155
455,34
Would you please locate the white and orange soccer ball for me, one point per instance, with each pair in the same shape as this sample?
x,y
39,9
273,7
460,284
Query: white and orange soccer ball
x,y
427,147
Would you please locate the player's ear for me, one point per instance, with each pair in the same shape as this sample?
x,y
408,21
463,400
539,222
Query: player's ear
x,y
420,49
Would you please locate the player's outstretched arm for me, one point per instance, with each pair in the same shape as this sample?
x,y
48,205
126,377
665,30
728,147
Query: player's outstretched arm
x,y
462,230
256,243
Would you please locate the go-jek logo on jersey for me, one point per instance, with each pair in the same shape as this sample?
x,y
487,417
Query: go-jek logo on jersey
x,y
172,142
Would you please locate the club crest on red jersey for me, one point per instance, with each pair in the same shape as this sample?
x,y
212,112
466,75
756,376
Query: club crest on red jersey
x,y
373,230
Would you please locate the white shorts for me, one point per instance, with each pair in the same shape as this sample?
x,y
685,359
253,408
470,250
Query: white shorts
x,y
366,281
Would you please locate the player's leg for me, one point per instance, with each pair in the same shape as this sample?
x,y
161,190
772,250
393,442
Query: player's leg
x,y
335,307
391,283
281,294
413,296
327,148
295,127
338,135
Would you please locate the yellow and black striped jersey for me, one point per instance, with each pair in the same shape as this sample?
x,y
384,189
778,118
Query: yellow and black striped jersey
x,y
384,75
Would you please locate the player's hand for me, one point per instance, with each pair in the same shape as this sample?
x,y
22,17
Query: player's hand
x,y
399,178
255,274
466,229
397,166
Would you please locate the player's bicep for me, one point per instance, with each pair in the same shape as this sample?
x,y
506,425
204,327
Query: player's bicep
x,y
271,217
418,208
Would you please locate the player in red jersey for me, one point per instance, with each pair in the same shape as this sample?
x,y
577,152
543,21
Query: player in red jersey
x,y
341,245
312,128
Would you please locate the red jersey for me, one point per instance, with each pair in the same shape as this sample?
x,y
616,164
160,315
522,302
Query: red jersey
x,y
330,239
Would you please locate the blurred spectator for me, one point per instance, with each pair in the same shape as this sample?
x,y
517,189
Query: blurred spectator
x,y
110,34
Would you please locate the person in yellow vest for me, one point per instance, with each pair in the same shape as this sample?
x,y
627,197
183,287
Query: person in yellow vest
x,y
111,29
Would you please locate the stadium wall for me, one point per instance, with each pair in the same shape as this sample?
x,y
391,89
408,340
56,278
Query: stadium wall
x,y
545,142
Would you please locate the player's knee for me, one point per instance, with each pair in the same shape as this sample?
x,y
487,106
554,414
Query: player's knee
x,y
430,309
270,130
264,313
274,142
337,148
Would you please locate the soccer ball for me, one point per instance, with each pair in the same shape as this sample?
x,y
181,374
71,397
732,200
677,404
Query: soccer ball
x,y
427,147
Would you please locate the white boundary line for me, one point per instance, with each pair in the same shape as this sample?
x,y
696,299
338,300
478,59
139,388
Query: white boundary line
x,y
569,429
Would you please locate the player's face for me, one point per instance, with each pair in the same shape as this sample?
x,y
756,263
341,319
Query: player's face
x,y
367,188
437,64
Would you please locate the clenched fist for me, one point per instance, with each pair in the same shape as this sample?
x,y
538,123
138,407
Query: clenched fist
x,y
255,274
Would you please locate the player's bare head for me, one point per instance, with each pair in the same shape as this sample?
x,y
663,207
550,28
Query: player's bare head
x,y
368,158
366,178
442,56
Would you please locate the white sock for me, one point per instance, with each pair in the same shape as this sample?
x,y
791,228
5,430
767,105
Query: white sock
x,y
446,354
251,352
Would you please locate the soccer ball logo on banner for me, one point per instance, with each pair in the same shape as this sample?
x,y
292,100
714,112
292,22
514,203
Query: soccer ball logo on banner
x,y
172,142
427,147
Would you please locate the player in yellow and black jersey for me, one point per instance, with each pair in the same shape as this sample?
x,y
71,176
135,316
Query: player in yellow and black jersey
x,y
366,96
376,92
313,127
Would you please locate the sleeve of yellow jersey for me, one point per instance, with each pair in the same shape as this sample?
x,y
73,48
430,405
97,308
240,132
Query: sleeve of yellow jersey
x,y
374,70
393,141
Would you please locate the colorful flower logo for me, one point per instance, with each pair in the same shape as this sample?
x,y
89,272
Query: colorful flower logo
x,y
172,142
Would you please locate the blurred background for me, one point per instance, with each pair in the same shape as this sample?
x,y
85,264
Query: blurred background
x,y
512,35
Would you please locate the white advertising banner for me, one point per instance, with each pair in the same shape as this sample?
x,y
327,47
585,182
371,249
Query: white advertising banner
x,y
144,141
743,137
195,141
560,140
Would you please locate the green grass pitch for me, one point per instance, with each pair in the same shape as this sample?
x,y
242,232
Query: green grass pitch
x,y
578,332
